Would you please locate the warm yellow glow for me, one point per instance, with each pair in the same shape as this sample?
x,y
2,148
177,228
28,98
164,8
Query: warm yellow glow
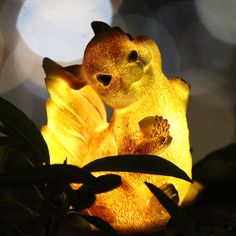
x,y
193,193
149,118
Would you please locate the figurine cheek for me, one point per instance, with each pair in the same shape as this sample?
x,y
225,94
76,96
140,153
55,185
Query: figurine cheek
x,y
132,72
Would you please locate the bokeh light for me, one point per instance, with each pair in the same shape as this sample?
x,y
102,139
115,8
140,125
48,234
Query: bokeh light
x,y
210,111
48,29
219,18
60,29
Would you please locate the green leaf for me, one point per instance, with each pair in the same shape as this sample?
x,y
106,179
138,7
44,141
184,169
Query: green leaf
x,y
9,141
148,164
5,131
77,221
99,223
103,184
4,141
28,195
15,213
217,166
16,219
16,160
52,174
18,122
178,215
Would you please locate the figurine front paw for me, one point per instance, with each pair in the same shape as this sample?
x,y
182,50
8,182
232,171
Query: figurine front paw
x,y
154,126
156,136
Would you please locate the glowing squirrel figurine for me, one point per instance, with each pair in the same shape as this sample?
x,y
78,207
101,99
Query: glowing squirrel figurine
x,y
149,118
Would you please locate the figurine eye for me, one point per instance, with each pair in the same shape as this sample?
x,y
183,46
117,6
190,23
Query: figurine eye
x,y
104,79
133,56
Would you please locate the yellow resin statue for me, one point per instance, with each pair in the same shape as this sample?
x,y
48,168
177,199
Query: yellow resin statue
x,y
149,117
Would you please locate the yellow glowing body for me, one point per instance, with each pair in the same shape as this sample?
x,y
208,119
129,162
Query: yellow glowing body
x,y
149,118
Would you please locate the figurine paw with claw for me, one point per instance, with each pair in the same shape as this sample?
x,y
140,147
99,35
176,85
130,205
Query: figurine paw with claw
x,y
155,134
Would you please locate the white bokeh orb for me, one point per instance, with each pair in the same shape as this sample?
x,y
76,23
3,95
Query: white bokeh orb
x,y
60,29
218,16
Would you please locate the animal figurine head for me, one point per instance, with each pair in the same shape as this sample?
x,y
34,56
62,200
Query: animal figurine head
x,y
117,65
149,118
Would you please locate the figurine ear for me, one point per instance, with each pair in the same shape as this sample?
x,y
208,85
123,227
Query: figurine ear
x,y
100,27
70,74
50,66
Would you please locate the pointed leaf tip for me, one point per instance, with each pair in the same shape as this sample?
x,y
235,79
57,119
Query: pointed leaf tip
x,y
178,215
147,164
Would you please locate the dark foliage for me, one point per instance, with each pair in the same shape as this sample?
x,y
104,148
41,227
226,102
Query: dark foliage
x,y
36,198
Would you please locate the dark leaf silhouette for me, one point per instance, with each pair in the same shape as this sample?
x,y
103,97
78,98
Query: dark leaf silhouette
x,y
15,215
53,174
77,221
177,214
81,200
148,164
24,128
103,184
16,160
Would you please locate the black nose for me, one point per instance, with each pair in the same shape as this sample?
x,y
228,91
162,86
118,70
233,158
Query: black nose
x,y
104,79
